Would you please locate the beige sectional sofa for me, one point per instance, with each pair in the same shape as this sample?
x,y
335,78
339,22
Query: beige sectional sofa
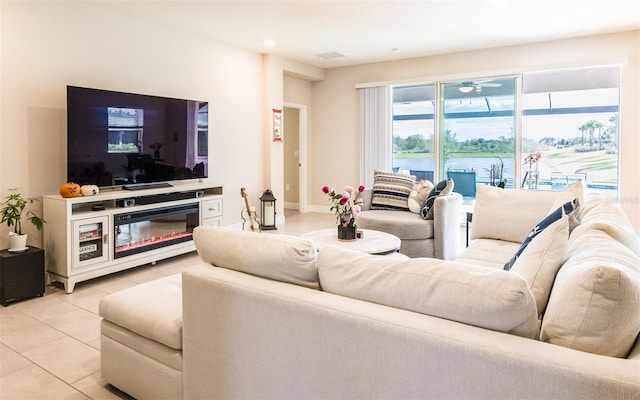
x,y
273,318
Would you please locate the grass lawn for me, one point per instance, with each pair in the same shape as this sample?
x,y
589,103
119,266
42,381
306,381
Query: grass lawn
x,y
598,165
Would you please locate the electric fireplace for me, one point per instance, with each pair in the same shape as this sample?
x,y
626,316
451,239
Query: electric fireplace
x,y
139,231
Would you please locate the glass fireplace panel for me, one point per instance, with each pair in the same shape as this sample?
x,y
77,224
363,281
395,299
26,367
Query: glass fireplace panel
x,y
139,231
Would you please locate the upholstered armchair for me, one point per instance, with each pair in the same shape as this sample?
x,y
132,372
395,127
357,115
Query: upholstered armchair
x,y
438,237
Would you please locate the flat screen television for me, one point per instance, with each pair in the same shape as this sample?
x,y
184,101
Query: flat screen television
x,y
134,140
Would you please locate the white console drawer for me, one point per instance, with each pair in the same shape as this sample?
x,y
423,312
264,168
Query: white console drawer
x,y
211,208
217,221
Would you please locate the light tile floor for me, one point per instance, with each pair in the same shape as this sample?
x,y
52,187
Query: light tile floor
x,y
50,346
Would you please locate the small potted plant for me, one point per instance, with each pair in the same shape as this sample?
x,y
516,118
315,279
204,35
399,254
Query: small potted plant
x,y
12,211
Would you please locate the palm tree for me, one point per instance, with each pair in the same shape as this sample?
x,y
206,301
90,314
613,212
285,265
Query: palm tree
x,y
590,126
598,125
583,128
613,130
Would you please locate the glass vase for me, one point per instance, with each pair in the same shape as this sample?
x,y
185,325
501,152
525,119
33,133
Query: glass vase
x,y
533,176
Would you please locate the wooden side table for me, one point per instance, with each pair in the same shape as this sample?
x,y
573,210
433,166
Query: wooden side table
x,y
21,275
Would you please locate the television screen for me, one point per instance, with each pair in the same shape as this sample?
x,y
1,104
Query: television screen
x,y
129,140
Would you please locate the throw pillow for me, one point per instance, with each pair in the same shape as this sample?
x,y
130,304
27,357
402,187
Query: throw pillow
x,y
486,297
574,191
542,258
600,213
508,214
443,188
554,216
391,190
419,194
595,301
279,257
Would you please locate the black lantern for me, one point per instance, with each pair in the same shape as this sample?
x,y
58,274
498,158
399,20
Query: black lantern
x,y
268,215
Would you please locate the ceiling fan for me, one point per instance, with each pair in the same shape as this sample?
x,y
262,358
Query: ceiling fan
x,y
469,86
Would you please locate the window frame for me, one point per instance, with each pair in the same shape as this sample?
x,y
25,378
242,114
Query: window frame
x,y
520,114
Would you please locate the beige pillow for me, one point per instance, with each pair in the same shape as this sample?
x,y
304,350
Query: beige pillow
x,y
474,295
279,257
609,218
574,192
541,260
595,300
592,199
508,214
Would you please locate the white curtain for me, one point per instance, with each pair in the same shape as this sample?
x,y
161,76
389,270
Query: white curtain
x,y
375,132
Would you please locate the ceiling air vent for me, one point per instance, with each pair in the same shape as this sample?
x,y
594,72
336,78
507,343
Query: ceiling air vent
x,y
329,55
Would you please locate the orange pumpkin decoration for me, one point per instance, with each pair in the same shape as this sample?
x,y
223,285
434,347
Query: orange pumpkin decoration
x,y
70,189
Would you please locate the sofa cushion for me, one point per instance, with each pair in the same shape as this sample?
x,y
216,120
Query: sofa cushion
x,y
474,295
391,191
442,188
595,300
599,213
488,252
540,261
141,345
152,310
279,257
405,225
508,214
544,224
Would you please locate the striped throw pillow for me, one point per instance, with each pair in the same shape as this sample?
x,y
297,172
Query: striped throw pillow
x,y
391,191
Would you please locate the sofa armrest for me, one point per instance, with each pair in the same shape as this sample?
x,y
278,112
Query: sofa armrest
x,y
446,226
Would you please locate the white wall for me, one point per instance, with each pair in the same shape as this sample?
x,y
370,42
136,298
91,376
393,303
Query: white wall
x,y
275,70
336,111
46,46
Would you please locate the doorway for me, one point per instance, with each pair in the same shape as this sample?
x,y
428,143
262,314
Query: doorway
x,y
294,156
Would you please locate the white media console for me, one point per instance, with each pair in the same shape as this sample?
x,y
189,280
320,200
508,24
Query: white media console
x,y
90,236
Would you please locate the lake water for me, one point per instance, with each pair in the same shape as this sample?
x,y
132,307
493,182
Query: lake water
x,y
482,176
466,164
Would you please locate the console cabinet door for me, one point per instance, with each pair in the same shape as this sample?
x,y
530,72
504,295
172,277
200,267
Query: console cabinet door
x,y
90,242
212,212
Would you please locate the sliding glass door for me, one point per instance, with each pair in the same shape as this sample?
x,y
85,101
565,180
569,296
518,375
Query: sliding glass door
x,y
478,121
541,130
570,119
413,130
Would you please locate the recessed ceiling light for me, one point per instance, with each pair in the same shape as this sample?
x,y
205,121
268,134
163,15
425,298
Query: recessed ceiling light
x,y
395,50
269,43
